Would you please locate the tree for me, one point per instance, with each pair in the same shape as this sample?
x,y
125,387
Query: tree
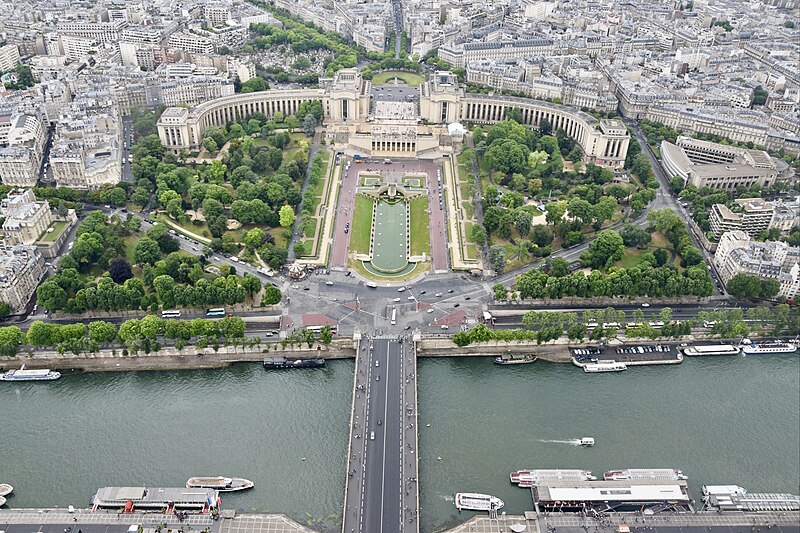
x,y
507,156
51,296
272,296
309,125
286,214
500,292
254,238
5,310
545,128
102,332
580,209
497,258
210,145
542,235
478,235
605,249
522,222
326,335
664,219
743,286
120,270
634,236
555,212
250,284
254,85
661,256
147,251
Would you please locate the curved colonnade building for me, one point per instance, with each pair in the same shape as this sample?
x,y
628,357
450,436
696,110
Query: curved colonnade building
x,y
414,126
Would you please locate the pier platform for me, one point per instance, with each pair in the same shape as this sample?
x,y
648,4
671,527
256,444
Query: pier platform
x,y
707,522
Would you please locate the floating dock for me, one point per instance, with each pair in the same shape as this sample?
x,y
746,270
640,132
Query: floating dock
x,y
132,499
611,496
630,354
735,498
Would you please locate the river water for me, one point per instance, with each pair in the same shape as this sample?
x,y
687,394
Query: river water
x,y
720,420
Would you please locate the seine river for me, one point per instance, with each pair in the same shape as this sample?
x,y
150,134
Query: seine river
x,y
720,420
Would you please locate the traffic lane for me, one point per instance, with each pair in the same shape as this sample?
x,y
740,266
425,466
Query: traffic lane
x,y
344,214
437,229
72,527
393,424
376,449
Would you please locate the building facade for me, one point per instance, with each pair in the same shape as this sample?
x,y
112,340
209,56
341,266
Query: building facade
x,y
352,123
706,164
21,269
737,253
26,220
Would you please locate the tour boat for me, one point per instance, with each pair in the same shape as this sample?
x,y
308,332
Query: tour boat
x,y
587,441
509,360
711,349
473,501
605,366
220,483
644,474
769,347
5,489
30,375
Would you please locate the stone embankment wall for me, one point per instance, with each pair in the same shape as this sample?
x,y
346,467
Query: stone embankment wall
x,y
169,358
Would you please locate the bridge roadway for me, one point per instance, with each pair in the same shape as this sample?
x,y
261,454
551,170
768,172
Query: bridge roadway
x,y
381,493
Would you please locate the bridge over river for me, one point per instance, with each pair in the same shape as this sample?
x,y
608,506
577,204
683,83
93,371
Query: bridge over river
x,y
381,491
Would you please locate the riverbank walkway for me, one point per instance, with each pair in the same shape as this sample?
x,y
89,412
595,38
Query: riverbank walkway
x,y
702,522
381,489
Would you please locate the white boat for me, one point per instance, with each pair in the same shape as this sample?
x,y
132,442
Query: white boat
x,y
711,349
30,375
644,474
529,477
769,347
5,489
220,483
473,501
605,366
587,441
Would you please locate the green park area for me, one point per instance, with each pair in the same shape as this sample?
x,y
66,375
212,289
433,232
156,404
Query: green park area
x,y
420,226
362,225
389,77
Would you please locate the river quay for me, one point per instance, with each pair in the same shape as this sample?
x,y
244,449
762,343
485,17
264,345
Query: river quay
x,y
59,520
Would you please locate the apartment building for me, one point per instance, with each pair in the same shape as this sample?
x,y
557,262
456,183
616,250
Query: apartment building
x,y
26,220
751,215
21,269
189,42
102,32
737,253
216,15
21,156
9,57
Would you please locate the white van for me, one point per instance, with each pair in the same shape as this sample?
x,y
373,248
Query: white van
x,y
371,435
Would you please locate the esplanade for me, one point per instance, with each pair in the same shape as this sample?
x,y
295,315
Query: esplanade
x,y
355,120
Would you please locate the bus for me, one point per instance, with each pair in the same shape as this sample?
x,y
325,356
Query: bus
x,y
394,316
171,313
216,311
317,329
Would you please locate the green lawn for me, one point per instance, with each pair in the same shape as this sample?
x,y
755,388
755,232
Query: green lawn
x,y
632,257
130,247
420,226
277,233
469,209
58,227
409,78
362,225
